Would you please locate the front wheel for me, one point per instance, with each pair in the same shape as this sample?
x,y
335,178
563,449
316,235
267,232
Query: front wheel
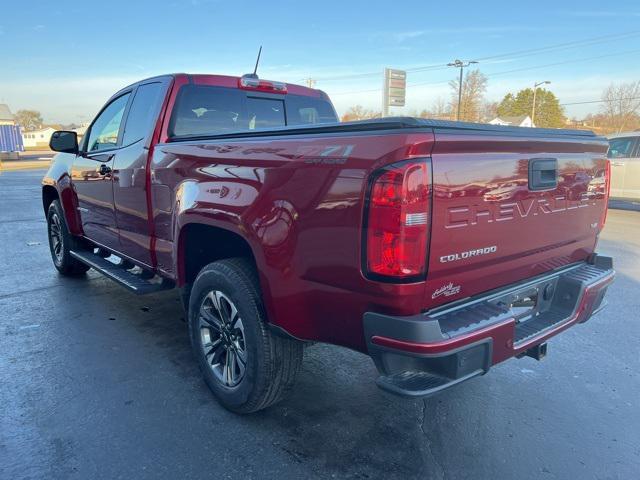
x,y
61,242
247,367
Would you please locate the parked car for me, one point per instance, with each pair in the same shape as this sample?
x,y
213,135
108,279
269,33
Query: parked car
x,y
624,153
281,226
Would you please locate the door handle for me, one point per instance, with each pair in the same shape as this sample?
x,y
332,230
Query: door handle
x,y
543,173
618,164
104,170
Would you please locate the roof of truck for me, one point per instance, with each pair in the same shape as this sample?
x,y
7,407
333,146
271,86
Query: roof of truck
x,y
635,133
230,81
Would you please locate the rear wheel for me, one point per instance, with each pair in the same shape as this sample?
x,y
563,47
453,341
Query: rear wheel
x,y
61,242
247,367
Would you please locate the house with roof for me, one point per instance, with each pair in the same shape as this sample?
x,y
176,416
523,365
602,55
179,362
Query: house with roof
x,y
6,117
81,130
519,121
38,138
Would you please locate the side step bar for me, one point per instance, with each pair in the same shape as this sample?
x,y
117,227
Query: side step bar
x,y
131,281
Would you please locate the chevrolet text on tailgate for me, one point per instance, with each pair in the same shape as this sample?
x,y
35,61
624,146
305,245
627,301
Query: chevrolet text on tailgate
x,y
437,248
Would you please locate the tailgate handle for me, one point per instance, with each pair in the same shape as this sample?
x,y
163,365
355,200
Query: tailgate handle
x,y
543,173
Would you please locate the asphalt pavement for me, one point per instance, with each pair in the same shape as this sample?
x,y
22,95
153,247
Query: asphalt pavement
x,y
98,383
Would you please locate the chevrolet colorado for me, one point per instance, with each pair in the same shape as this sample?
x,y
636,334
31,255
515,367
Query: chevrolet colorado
x,y
437,248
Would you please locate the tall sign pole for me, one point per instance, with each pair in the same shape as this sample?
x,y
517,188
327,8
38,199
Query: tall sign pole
x,y
394,89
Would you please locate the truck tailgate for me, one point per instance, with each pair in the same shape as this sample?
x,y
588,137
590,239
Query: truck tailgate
x,y
510,206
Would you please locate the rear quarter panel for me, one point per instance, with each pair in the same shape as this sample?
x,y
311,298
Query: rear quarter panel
x,y
298,202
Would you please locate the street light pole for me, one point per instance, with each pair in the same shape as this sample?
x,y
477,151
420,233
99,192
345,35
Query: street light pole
x,y
533,108
460,64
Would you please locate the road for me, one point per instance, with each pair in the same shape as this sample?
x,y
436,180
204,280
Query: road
x,y
36,155
28,160
98,383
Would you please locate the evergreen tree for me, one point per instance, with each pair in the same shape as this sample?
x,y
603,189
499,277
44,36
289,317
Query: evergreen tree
x,y
548,113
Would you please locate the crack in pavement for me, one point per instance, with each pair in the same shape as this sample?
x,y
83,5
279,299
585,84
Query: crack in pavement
x,y
25,220
40,289
428,442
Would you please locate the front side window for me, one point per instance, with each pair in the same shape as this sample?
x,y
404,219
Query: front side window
x,y
105,129
621,147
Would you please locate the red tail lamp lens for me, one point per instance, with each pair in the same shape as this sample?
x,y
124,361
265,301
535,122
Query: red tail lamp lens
x,y
398,221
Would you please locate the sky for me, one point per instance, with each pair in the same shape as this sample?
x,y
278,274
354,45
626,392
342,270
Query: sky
x,y
66,58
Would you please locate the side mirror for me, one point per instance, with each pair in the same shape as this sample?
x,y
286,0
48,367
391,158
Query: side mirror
x,y
64,141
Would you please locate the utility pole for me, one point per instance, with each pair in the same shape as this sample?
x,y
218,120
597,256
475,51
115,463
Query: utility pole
x,y
385,94
311,82
533,107
460,64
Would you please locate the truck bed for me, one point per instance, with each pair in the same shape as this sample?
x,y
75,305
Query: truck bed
x,y
395,123
299,195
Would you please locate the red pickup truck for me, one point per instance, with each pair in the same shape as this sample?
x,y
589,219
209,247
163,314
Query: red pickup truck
x,y
437,248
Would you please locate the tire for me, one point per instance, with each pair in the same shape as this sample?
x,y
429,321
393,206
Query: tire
x,y
61,242
262,366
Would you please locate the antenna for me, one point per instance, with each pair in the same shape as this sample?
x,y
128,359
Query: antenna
x,y
255,70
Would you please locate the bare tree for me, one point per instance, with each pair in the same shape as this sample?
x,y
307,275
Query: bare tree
x,y
489,111
474,85
358,112
29,120
440,109
621,103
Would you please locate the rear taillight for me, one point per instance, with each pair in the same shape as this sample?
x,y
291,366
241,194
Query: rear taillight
x,y
607,190
397,221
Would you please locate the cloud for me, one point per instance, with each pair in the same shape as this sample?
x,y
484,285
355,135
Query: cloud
x,y
402,36
39,27
63,100
601,13
491,31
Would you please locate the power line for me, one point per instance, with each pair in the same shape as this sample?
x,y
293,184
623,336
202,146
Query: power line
x,y
371,74
599,101
514,54
561,46
506,72
577,60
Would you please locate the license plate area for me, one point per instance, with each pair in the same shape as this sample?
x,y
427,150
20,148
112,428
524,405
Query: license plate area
x,y
529,302
524,305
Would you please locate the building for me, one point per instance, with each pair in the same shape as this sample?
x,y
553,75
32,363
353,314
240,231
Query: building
x,y
81,130
10,138
38,138
520,121
6,117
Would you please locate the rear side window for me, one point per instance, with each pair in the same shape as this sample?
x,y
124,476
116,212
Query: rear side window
x,y
621,147
142,113
207,110
309,111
